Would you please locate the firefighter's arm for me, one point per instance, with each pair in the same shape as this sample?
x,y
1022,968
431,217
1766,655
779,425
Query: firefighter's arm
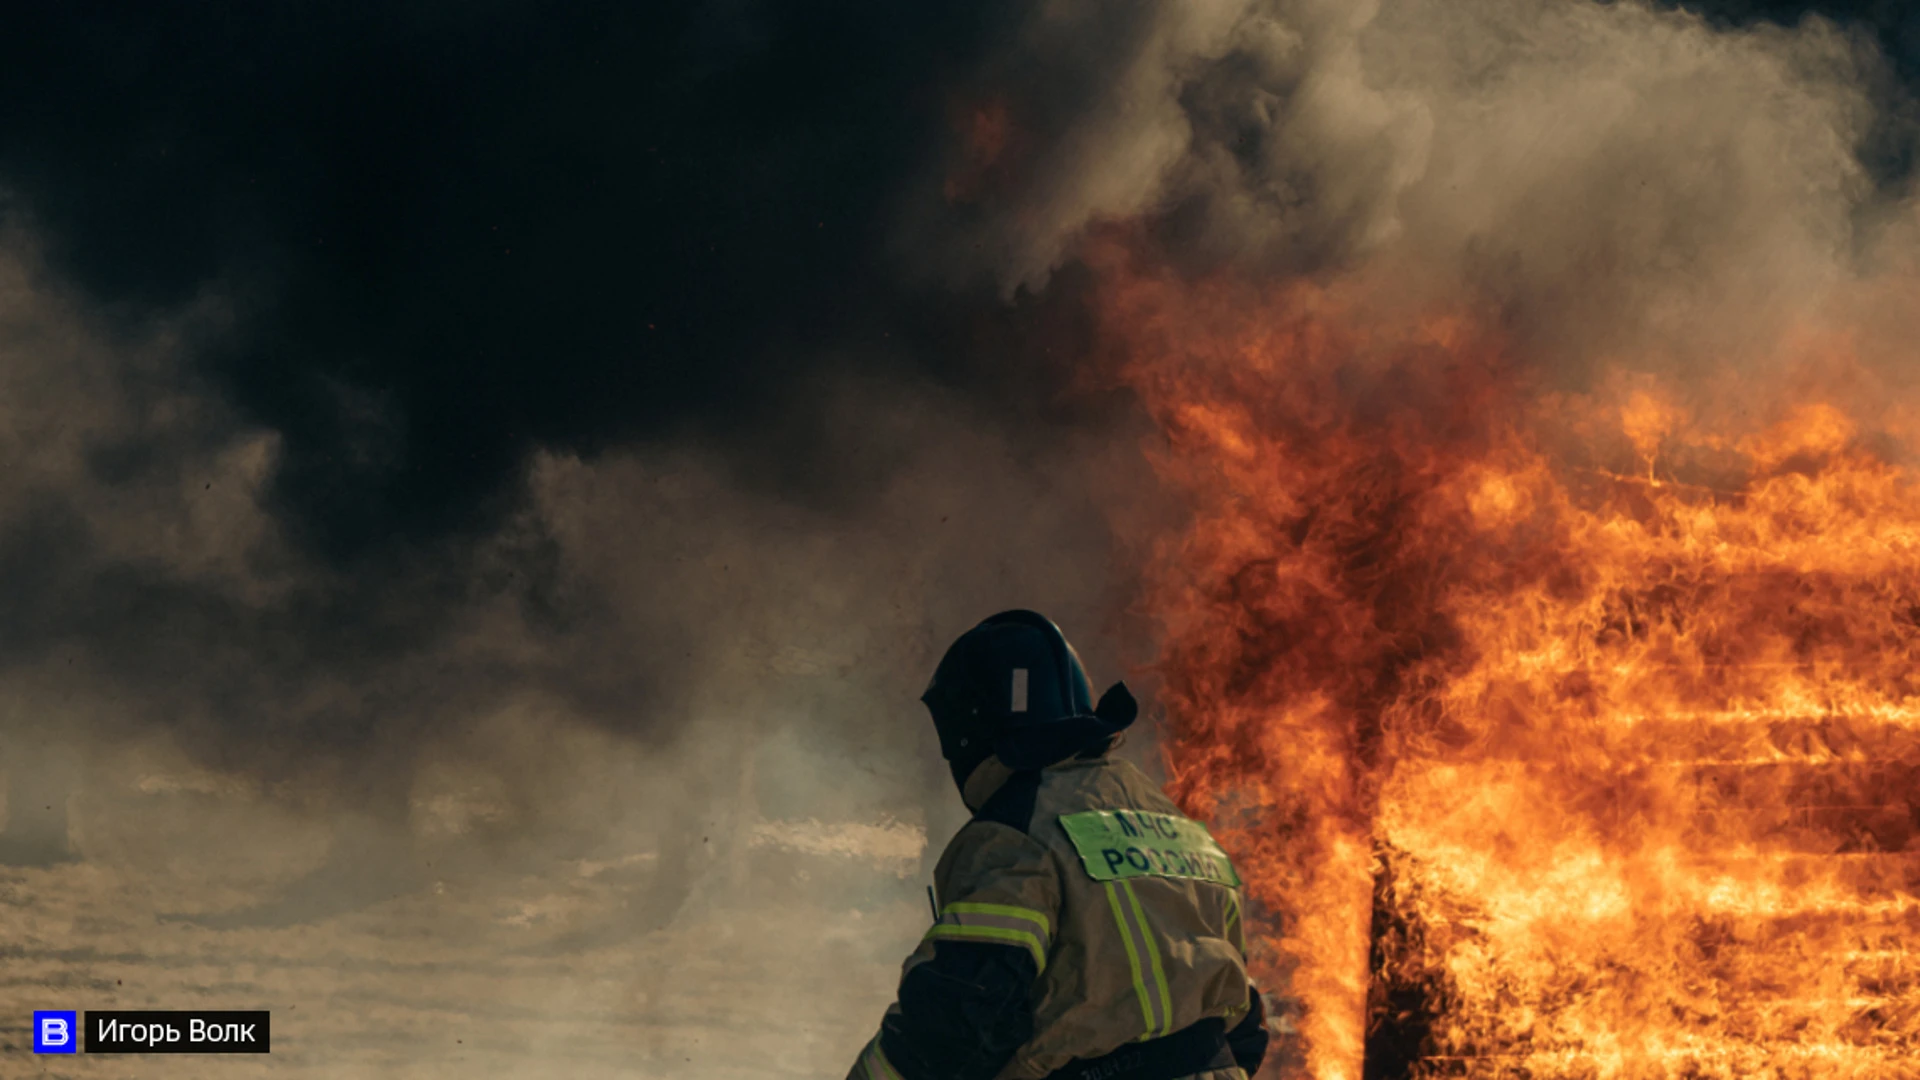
x,y
1249,1036
964,1005
1248,1039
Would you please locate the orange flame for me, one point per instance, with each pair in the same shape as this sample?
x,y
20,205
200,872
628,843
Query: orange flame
x,y
1557,735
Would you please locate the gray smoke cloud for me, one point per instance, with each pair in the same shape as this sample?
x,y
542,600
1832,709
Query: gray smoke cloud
x,y
1618,179
1246,129
662,718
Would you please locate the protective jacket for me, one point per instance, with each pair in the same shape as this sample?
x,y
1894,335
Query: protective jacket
x,y
1087,931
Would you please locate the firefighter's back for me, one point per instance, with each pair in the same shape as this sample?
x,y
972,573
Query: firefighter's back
x,y
1147,960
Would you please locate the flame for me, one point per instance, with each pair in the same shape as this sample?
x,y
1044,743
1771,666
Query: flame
x,y
1557,735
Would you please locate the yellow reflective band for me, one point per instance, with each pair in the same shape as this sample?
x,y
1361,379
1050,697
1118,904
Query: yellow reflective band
x,y
996,922
1153,955
1133,957
877,1065
1007,910
1233,921
996,934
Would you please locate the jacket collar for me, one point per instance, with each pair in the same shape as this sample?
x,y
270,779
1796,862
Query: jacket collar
x,y
985,779
992,774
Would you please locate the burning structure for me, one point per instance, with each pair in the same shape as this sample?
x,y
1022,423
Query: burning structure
x,y
1559,734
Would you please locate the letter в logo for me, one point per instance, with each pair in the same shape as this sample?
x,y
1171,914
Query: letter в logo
x,y
54,1030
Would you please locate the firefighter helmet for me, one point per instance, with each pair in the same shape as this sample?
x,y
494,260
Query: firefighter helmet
x,y
1013,686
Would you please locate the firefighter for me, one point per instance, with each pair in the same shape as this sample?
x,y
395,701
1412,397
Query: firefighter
x,y
1085,929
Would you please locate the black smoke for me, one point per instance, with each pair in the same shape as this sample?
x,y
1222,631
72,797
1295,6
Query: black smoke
x,y
419,245
441,237
454,232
